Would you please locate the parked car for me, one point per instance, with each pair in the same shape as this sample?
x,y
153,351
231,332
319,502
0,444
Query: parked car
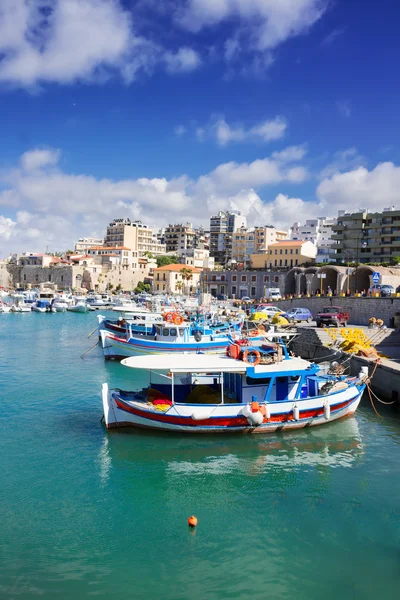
x,y
384,291
245,299
332,315
222,297
269,311
296,315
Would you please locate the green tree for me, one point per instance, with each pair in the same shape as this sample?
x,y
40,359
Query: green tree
x,y
187,275
179,286
142,287
162,261
396,260
118,288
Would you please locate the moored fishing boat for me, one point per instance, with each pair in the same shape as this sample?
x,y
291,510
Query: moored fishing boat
x,y
212,394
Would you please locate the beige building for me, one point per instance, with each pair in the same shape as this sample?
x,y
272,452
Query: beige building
x,y
134,235
285,254
246,242
179,237
171,280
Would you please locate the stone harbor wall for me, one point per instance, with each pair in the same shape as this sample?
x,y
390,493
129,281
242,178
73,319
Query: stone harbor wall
x,y
360,309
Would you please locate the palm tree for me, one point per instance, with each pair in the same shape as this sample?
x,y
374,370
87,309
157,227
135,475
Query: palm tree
x,y
179,286
187,274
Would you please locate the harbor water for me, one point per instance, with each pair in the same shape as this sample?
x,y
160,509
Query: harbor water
x,y
85,513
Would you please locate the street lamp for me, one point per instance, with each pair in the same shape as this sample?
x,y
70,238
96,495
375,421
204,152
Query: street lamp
x,y
364,243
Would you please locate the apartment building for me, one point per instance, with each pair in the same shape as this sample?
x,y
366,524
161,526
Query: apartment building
x,y
246,242
367,237
179,237
319,231
134,235
222,227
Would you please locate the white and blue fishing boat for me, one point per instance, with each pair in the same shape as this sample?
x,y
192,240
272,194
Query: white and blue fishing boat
x,y
163,338
201,393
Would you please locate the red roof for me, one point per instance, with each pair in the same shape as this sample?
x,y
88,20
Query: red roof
x,y
178,268
108,248
289,242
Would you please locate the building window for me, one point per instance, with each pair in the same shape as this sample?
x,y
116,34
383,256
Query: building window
x,y
296,262
233,290
254,277
286,251
291,251
244,277
285,262
266,278
291,262
276,279
24,276
37,277
276,262
222,277
234,278
280,262
297,250
176,276
276,251
253,291
62,277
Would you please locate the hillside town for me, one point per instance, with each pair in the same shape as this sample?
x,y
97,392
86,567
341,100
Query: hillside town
x,y
335,255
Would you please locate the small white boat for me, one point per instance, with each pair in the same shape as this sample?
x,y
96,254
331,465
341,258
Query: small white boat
x,y
43,306
4,307
79,306
200,393
60,305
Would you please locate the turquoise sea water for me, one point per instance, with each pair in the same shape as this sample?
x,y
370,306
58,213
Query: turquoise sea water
x,y
86,513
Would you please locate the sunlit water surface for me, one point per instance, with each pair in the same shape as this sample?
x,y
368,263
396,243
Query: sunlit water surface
x,y
306,515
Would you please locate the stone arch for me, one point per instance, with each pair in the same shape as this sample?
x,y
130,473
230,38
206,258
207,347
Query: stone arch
x,y
360,280
293,280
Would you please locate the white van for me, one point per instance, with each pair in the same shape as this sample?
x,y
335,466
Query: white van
x,y
273,294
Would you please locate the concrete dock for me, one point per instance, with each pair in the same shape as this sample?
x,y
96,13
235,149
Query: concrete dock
x,y
314,343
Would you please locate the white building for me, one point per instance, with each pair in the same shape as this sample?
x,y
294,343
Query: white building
x,y
84,244
318,231
197,257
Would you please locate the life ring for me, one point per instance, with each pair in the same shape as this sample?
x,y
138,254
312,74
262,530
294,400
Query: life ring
x,y
178,319
169,317
255,353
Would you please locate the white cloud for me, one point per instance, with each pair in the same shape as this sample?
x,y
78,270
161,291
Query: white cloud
x,y
361,188
180,130
271,22
68,40
54,208
265,131
37,159
225,133
184,60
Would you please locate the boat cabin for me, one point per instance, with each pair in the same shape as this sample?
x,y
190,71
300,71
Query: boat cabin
x,y
211,379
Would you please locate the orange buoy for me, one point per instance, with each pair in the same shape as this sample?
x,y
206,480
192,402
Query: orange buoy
x,y
192,521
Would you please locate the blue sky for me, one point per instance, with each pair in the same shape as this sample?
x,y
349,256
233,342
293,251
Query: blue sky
x,y
168,111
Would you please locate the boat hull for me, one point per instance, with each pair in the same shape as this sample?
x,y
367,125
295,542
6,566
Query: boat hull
x,y
229,418
115,347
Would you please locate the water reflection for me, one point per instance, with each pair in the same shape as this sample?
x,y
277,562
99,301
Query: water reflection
x,y
334,445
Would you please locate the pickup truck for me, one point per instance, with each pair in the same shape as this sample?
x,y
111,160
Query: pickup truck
x,y
332,315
